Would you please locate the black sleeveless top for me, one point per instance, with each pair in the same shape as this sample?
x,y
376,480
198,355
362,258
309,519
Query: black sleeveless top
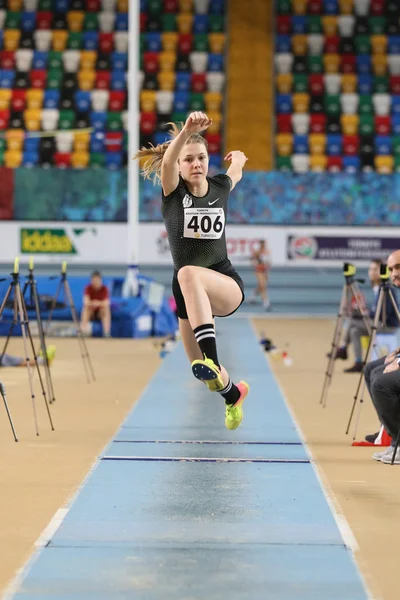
x,y
196,226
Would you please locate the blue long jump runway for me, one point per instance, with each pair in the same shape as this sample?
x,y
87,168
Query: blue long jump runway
x,y
179,508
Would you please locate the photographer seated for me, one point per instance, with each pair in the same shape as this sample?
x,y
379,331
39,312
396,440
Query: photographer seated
x,y
357,328
96,305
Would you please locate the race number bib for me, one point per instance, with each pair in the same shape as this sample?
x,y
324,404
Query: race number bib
x,y
204,223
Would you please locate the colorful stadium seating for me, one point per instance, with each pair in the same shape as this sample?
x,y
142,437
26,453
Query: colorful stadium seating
x,y
337,76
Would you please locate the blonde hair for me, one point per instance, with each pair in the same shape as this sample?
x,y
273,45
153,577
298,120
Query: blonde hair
x,y
151,158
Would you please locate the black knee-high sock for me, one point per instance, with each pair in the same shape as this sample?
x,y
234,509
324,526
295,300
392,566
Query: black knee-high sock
x,y
205,337
231,393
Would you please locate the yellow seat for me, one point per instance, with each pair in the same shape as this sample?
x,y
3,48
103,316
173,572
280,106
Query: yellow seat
x,y
32,119
166,61
186,6
184,21
284,83
379,44
329,25
11,39
5,97
299,7
216,42
15,5
79,160
15,139
12,159
88,60
284,144
216,117
364,342
148,100
349,83
384,164
379,64
75,20
317,142
59,41
346,7
213,101
318,162
301,102
81,142
122,5
169,41
86,80
332,63
299,45
166,81
34,98
350,124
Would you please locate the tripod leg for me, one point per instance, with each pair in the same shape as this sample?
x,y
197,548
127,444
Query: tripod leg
x,y
396,447
14,321
52,307
335,342
3,394
89,371
49,381
358,416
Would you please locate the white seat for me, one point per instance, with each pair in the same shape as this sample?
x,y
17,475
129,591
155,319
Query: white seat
x,y
71,60
124,117
50,118
382,104
198,61
346,25
100,100
300,163
315,43
31,5
349,103
201,6
215,81
332,83
140,79
64,141
2,18
301,123
108,5
23,59
164,101
43,39
394,64
121,41
106,21
284,62
361,7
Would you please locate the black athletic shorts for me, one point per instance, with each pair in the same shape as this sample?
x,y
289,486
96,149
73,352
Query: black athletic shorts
x,y
225,267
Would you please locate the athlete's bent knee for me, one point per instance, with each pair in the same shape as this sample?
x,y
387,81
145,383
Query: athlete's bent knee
x,y
186,275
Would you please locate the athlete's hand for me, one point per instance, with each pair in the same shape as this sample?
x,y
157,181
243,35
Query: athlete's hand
x,y
237,157
197,122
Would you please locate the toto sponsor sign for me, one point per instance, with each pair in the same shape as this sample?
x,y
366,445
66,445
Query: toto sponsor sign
x,y
308,248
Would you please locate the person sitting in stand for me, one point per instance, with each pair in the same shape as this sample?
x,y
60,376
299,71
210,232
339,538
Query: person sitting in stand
x,y
96,305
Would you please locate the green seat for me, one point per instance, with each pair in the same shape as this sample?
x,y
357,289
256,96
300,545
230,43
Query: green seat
x,y
54,79
1,158
201,42
55,60
154,7
91,22
75,40
143,43
284,163
366,125
196,101
396,162
315,64
284,7
300,83
2,144
45,5
215,23
377,25
125,141
381,84
66,120
13,20
396,145
362,44
168,21
97,159
314,24
178,117
114,121
365,106
332,105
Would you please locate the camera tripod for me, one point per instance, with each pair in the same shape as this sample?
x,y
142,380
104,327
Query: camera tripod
x,y
63,285
350,291
20,312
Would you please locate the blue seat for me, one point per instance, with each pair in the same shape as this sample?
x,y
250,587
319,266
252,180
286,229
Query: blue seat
x,y
28,21
396,124
31,144
333,144
40,59
215,62
97,142
119,61
300,144
217,7
383,145
299,24
51,99
98,120
118,80
331,7
160,137
351,164
114,160
215,161
395,105
365,84
90,40
363,63
181,101
143,6
393,44
83,101
153,41
1,39
7,77
182,81
283,104
121,22
200,24
283,43
30,158
62,6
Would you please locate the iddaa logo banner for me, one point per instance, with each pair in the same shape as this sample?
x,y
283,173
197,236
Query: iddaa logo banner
x,y
46,241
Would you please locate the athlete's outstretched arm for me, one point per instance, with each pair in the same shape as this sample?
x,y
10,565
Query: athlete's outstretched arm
x,y
238,160
195,123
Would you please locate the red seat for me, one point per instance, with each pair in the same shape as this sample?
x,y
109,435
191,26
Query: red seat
x,y
284,123
395,84
332,43
103,79
4,118
93,5
318,123
185,43
150,62
148,122
351,145
335,163
44,20
315,7
116,100
113,140
377,7
383,125
316,84
62,159
199,82
18,100
106,42
348,63
284,24
171,6
214,143
38,78
143,22
7,59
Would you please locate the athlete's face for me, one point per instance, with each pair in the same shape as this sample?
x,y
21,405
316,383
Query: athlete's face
x,y
193,163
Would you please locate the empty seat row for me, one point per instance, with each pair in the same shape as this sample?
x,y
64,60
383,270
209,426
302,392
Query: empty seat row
x,y
183,81
44,40
202,7
32,119
55,79
317,7
346,25
97,100
150,122
164,101
317,44
335,104
72,21
379,64
182,43
62,6
76,160
198,62
336,145
182,22
334,83
303,123
302,163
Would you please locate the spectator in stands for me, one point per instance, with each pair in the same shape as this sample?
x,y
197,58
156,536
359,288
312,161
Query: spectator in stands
x,y
8,360
357,327
96,305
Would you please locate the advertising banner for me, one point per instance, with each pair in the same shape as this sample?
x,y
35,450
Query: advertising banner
x,y
334,248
